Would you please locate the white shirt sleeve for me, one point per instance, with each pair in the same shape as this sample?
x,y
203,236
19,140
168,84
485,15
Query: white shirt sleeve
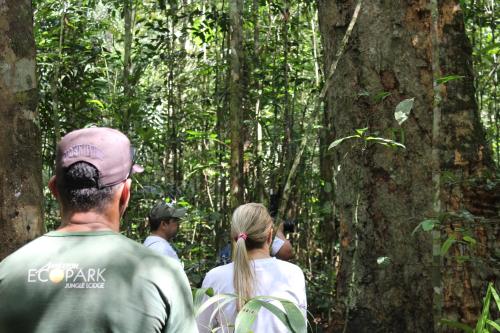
x,y
277,245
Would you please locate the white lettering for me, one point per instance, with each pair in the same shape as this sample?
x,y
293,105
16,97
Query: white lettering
x,y
81,275
100,272
94,285
31,275
91,274
69,274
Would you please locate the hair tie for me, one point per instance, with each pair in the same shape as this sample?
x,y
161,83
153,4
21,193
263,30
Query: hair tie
x,y
242,235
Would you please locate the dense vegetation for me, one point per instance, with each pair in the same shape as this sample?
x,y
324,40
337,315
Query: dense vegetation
x,y
160,72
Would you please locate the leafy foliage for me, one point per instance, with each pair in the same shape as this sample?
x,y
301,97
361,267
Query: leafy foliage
x,y
173,104
289,314
485,324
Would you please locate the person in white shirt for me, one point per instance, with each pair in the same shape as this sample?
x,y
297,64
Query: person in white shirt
x,y
253,272
164,219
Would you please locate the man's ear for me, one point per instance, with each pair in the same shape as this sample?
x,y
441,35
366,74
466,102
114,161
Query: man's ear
x,y
125,195
53,187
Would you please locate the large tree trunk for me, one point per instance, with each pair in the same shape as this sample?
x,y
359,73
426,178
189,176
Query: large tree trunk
x,y
20,149
384,193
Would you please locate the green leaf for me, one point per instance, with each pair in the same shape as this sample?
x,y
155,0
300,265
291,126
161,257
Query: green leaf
x,y
277,312
385,142
493,324
428,225
220,299
294,315
361,131
199,296
481,323
495,295
447,244
247,316
403,110
339,141
448,78
381,96
469,240
97,103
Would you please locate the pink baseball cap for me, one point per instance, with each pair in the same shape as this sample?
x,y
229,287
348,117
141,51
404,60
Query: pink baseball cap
x,y
107,149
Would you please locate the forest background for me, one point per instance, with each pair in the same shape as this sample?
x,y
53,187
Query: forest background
x,y
373,126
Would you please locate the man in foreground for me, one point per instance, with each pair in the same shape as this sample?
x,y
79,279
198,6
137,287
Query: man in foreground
x,y
164,220
86,277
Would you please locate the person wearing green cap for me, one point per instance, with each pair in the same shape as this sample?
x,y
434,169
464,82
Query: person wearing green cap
x,y
164,219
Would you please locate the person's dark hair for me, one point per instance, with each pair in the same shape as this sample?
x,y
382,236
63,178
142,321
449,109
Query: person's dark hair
x,y
154,223
78,188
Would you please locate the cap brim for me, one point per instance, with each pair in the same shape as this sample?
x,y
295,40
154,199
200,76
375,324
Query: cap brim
x,y
179,213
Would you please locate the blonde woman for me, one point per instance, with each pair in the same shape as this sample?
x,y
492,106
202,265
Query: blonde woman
x,y
253,272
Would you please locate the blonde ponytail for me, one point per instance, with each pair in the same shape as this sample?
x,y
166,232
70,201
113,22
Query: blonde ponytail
x,y
250,226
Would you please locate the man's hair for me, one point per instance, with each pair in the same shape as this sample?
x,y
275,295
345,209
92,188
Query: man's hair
x,y
154,222
78,187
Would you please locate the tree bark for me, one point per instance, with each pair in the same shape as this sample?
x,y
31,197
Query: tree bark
x,y
235,101
127,62
384,193
20,146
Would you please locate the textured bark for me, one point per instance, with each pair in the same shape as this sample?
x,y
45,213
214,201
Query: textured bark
x,y
326,162
383,193
20,150
257,86
236,101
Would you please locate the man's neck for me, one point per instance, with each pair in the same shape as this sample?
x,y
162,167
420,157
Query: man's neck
x,y
88,221
160,234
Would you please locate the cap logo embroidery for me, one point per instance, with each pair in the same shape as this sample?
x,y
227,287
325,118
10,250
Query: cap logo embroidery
x,y
83,151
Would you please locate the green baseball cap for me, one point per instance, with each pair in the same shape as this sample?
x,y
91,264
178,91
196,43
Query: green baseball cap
x,y
164,211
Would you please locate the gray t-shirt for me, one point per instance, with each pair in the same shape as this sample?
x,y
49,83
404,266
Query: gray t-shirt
x,y
92,282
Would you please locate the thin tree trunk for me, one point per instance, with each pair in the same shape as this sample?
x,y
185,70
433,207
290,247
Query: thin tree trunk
x,y
287,111
259,181
437,286
127,13
20,145
221,76
236,101
55,79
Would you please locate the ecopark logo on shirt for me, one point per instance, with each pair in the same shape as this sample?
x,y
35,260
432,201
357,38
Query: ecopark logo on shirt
x,y
72,275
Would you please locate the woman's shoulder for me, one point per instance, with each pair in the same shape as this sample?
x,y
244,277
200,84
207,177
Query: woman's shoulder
x,y
219,271
282,267
288,265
